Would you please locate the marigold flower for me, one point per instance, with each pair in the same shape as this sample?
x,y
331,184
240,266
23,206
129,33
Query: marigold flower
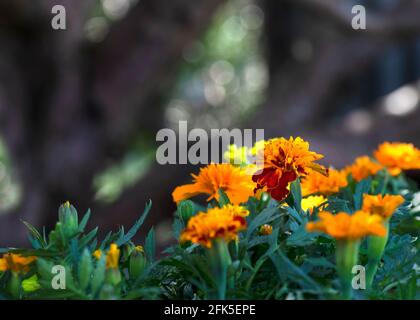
x,y
345,226
315,182
312,202
16,262
265,230
284,161
217,223
383,206
97,254
398,156
234,181
362,168
237,155
112,256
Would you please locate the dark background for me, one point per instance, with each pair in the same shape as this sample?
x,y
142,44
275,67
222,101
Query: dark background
x,y
80,108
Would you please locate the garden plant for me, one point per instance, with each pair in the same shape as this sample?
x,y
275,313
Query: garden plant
x,y
293,230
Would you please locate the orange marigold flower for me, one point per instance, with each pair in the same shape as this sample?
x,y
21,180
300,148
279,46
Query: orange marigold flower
x,y
312,202
284,161
345,226
217,223
16,262
398,156
383,206
363,167
234,181
318,183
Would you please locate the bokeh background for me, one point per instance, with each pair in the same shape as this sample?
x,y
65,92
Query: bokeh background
x,y
80,108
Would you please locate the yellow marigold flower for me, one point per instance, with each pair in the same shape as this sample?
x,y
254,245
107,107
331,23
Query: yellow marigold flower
x,y
97,254
265,230
363,167
383,206
112,257
236,210
217,223
284,161
398,156
258,147
345,226
234,181
318,183
15,262
237,155
312,202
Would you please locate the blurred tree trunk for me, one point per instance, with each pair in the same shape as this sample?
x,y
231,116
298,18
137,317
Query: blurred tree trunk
x,y
68,107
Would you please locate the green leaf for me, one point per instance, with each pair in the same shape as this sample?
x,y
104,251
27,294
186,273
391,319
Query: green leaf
x,y
84,221
295,191
301,237
132,232
150,245
84,241
265,216
361,188
35,233
85,269
286,269
98,275
223,198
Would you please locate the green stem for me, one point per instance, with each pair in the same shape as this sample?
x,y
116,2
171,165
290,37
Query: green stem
x,y
220,261
376,248
346,255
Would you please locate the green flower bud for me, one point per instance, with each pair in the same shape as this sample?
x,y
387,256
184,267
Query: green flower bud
x,y
31,284
14,285
137,264
68,217
186,210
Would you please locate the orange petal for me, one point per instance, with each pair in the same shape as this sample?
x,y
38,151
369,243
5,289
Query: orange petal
x,y
185,192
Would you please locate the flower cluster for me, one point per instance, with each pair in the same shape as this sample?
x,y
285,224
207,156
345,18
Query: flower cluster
x,y
252,226
16,262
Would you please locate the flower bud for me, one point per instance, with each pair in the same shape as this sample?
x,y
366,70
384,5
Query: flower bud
x,y
185,210
137,264
265,230
14,285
